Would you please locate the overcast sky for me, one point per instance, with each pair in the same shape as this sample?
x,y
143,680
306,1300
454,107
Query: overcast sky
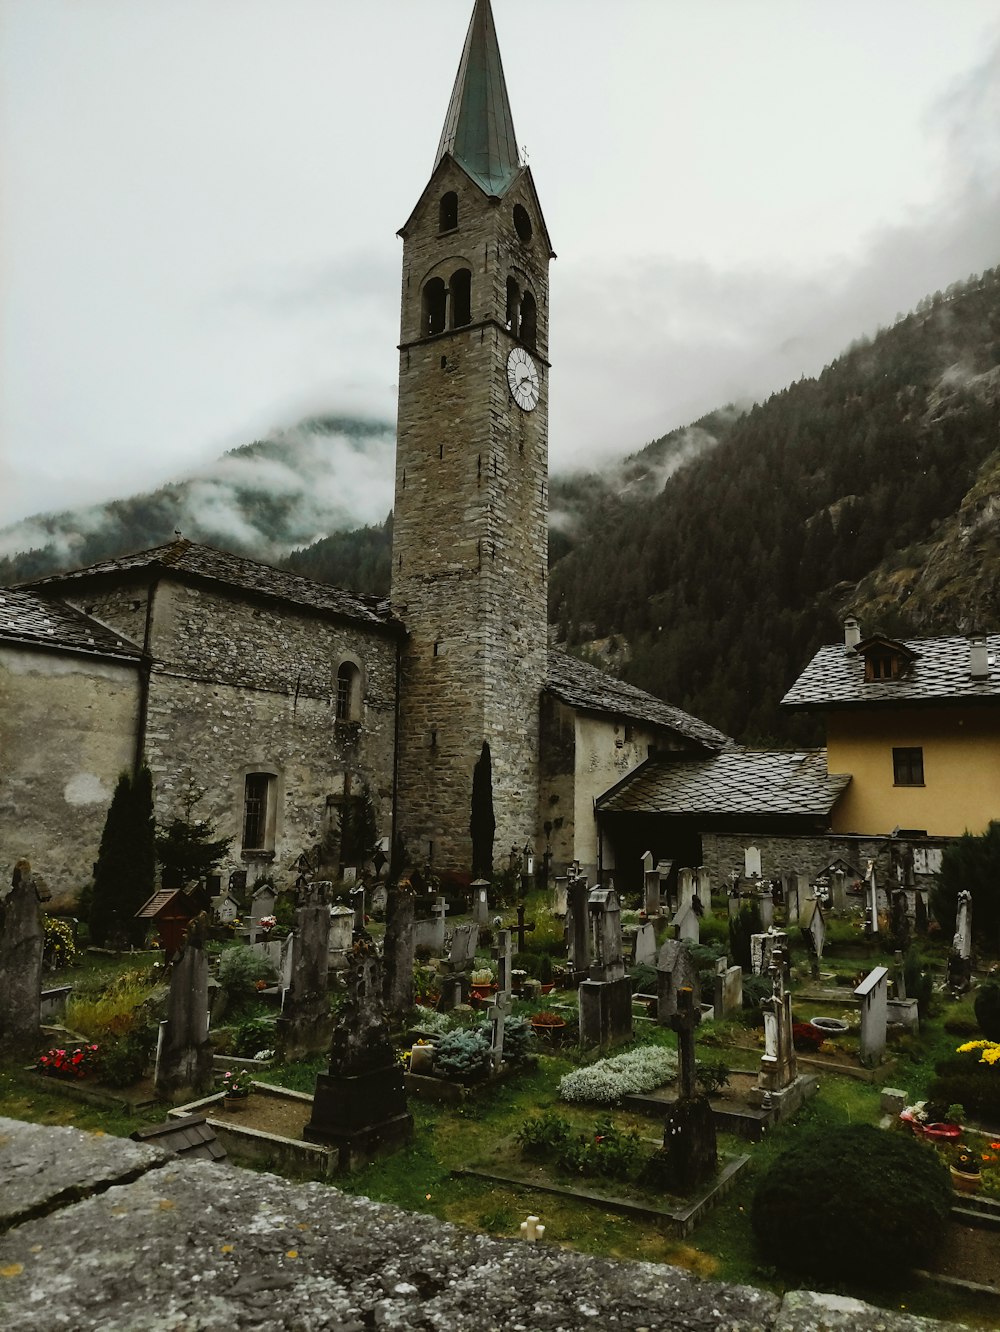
x,y
201,199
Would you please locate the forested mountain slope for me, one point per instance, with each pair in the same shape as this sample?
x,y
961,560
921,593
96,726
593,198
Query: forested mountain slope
x,y
725,582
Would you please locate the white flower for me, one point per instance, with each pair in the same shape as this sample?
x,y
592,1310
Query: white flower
x,y
607,1081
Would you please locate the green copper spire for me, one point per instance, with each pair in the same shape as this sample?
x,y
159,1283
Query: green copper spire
x,y
479,129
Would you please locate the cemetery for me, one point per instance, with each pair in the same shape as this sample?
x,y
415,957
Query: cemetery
x,y
658,1075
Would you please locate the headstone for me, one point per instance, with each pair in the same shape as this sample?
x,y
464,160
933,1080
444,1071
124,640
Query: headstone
x,y
873,992
341,935
685,888
578,926
22,942
962,943
560,892
359,1105
358,907
838,891
650,886
480,901
751,862
803,891
644,948
777,1065
184,1055
261,905
686,924
814,931
792,905
689,1142
606,996
665,868
379,900
766,904
728,993
225,908
429,934
305,1023
398,950
455,971
703,886
675,970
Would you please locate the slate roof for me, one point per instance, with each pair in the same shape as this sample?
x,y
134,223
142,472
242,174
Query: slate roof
x,y
939,674
738,782
593,690
189,1136
196,563
26,617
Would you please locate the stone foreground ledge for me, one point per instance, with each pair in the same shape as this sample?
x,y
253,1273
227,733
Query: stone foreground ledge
x,y
137,1241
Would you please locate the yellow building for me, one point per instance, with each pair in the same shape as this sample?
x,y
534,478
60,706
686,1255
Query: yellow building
x,y
916,723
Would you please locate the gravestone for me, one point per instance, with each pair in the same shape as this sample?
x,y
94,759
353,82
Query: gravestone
x,y
838,891
480,901
751,862
429,934
261,905
225,908
873,992
606,997
765,903
689,1152
644,945
341,936
791,891
685,889
398,950
686,924
675,971
359,1104
703,886
305,1023
777,1064
728,993
814,932
578,926
454,975
502,953
379,900
665,868
184,1055
22,942
560,893
762,947
871,901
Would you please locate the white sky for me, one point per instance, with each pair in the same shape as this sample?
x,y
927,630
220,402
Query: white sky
x,y
198,226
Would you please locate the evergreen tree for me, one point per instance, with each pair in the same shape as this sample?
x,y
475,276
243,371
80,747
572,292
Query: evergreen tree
x,y
971,863
482,823
124,877
187,847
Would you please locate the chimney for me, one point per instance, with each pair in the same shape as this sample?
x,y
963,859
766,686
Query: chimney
x,y
979,664
852,634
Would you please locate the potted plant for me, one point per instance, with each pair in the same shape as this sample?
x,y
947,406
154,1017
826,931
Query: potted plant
x,y
965,1171
547,1023
237,1084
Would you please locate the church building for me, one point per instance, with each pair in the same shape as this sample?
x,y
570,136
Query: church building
x,y
285,700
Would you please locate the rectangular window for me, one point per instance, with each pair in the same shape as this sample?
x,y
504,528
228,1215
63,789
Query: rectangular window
x,y
255,801
908,767
343,696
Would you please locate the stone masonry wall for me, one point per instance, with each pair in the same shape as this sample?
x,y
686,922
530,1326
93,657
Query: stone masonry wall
x,y
723,852
470,532
67,729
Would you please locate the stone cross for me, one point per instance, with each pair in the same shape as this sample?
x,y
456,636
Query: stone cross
x,y
22,941
532,1230
684,1022
962,943
502,954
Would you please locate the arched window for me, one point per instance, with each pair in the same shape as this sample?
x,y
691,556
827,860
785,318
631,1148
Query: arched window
x,y
348,702
433,306
529,320
461,298
511,318
448,211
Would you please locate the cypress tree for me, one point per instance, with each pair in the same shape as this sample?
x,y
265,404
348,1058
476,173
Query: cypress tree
x,y
482,823
124,877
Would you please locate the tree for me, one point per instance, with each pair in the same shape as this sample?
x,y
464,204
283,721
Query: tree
x,y
124,877
358,828
973,863
187,847
482,823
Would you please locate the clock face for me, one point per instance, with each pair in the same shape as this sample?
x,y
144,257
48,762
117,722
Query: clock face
x,y
522,376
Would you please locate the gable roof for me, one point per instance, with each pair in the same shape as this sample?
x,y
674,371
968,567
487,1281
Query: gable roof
x,y
190,562
479,128
739,782
592,690
32,620
939,673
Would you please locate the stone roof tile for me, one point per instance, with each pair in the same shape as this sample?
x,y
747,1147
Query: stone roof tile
x,y
204,563
737,782
940,672
30,619
593,690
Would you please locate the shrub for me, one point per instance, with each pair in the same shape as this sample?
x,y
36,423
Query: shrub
x,y
806,1038
971,1076
987,1007
832,1203
58,950
644,979
122,1007
711,1078
971,862
755,990
122,1060
251,1037
518,1038
919,983
462,1056
240,968
544,1135
607,1152
607,1081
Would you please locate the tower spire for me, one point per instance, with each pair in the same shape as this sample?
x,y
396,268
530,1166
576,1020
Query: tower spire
x,y
479,129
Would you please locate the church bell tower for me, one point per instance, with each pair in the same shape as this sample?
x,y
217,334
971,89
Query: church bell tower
x,y
470,526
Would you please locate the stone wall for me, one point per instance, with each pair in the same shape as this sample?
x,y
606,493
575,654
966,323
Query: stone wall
x,y
67,729
723,852
470,531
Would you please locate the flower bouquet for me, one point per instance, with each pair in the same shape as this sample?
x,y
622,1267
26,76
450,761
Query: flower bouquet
x,y
68,1064
237,1084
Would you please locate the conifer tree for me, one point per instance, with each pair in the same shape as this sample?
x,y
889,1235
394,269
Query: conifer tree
x,y
187,847
124,877
482,823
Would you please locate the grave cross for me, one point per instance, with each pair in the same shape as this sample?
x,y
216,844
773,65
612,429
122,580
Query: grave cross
x,y
684,1022
521,928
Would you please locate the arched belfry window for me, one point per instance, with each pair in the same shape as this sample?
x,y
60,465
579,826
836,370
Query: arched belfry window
x,y
512,316
348,700
448,211
460,287
434,303
529,320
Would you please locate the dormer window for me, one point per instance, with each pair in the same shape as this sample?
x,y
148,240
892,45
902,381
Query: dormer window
x,y
885,659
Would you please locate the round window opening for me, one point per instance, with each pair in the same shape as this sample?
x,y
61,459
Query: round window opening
x,y
522,223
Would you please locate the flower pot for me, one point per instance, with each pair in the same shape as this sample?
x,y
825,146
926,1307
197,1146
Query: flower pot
x,y
236,1102
964,1182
